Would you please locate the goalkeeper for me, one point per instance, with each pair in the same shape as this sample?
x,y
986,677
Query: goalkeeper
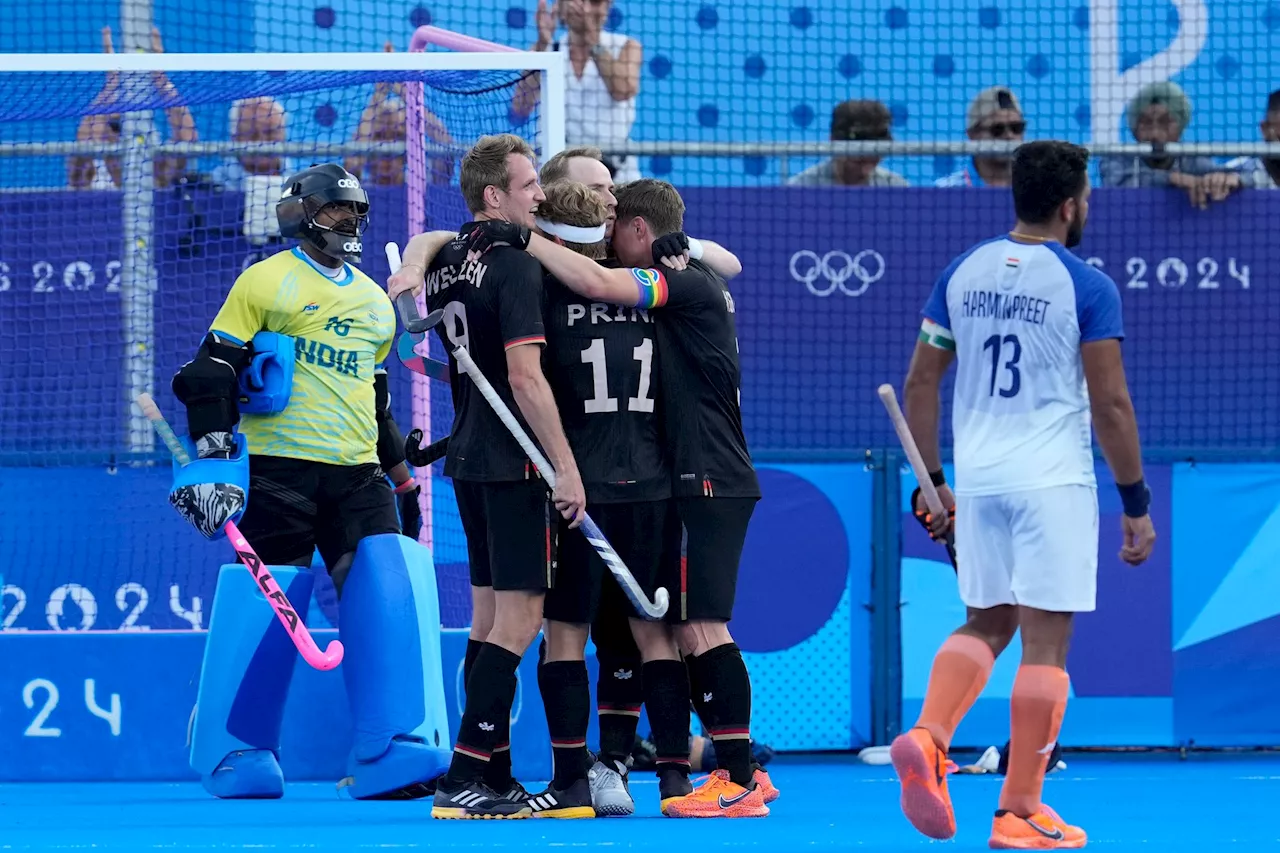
x,y
290,421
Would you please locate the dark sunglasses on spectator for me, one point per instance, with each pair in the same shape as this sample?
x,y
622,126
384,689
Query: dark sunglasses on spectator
x,y
1015,128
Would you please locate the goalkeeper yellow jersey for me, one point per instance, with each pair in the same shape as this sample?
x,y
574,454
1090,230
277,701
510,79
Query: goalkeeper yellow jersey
x,y
342,324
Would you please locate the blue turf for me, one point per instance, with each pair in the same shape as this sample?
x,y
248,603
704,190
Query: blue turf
x,y
1140,803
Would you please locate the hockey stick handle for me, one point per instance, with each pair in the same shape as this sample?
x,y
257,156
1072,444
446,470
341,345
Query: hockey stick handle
x,y
930,492
406,302
288,616
651,609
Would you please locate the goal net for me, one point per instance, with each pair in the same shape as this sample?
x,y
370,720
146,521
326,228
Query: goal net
x,y
134,189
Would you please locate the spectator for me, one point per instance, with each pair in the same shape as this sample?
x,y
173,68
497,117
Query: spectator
x,y
100,174
1158,115
859,120
603,79
259,119
384,120
994,114
1262,172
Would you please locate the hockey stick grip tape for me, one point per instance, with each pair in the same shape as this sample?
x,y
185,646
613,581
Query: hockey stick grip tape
x,y
930,492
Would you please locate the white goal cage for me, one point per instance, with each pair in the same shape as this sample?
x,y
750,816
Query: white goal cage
x,y
109,282
138,146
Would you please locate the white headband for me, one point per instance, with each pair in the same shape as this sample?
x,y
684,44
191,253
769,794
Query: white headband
x,y
571,233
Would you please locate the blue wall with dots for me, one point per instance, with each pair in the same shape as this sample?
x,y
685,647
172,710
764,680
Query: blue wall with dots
x,y
720,72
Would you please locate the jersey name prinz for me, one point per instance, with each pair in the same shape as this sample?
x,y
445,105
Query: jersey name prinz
x,y
471,272
605,313
323,355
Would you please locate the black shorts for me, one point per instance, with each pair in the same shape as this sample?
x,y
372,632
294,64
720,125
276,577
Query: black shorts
x,y
511,533
296,506
636,532
704,581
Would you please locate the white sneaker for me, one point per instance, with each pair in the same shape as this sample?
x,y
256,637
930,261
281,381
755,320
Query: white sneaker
x,y
610,793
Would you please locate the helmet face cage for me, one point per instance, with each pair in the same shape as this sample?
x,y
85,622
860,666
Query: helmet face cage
x,y
309,194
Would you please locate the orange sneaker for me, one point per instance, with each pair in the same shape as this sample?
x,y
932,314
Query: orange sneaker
x,y
765,784
922,770
718,797
1044,830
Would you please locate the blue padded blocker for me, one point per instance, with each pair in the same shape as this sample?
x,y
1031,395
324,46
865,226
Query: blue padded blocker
x,y
234,471
389,624
248,665
265,384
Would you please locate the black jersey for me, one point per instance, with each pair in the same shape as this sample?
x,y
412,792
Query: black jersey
x,y
698,339
491,304
602,362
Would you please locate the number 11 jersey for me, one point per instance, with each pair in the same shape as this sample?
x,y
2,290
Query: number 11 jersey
x,y
602,364
1016,314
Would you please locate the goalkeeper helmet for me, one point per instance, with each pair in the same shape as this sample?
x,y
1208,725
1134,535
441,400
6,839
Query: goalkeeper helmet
x,y
326,207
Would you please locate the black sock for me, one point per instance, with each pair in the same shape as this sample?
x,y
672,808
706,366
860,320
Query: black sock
x,y
469,662
566,696
722,694
666,696
497,774
491,690
619,695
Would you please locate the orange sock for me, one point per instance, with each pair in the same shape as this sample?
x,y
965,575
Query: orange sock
x,y
1036,709
960,671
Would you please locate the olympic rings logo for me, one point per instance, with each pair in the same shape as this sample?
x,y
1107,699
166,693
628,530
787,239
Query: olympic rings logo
x,y
836,268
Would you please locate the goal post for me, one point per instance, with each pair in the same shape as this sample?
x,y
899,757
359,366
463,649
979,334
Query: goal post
x,y
138,186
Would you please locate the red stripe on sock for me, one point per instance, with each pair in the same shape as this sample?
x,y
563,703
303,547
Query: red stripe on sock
x,y
471,753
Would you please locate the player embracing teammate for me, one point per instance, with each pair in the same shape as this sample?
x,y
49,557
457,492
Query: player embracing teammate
x,y
685,345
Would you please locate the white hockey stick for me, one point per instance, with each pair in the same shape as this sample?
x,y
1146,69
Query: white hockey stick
x,y
655,609
930,492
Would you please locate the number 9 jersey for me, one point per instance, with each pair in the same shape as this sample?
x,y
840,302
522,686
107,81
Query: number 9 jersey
x,y
602,364
1016,314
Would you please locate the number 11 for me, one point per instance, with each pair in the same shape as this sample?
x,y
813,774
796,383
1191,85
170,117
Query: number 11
x,y
600,400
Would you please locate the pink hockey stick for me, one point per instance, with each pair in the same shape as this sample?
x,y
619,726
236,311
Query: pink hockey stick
x,y
302,640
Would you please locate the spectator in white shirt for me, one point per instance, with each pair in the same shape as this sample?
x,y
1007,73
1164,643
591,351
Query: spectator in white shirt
x,y
602,82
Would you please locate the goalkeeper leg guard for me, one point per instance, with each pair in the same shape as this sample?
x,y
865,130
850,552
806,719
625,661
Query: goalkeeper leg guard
x,y
389,622
244,682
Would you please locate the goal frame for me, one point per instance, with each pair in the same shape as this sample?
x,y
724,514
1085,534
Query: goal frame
x,y
138,276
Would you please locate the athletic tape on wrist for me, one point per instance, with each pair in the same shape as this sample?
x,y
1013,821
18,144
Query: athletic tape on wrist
x,y
1135,497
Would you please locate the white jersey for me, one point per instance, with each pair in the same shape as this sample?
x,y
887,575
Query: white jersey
x,y
1016,314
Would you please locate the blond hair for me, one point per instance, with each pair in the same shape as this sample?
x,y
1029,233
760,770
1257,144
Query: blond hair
x,y
557,168
573,203
485,165
654,201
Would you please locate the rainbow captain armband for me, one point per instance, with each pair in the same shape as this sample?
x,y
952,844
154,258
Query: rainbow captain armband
x,y
266,382
937,335
653,288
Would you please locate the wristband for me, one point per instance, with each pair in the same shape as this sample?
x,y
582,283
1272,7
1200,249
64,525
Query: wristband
x,y
407,486
1135,497
695,249
938,478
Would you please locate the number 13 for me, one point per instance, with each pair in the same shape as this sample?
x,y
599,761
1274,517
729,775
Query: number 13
x,y
600,400
996,344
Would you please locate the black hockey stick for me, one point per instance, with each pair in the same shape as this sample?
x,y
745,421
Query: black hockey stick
x,y
415,328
